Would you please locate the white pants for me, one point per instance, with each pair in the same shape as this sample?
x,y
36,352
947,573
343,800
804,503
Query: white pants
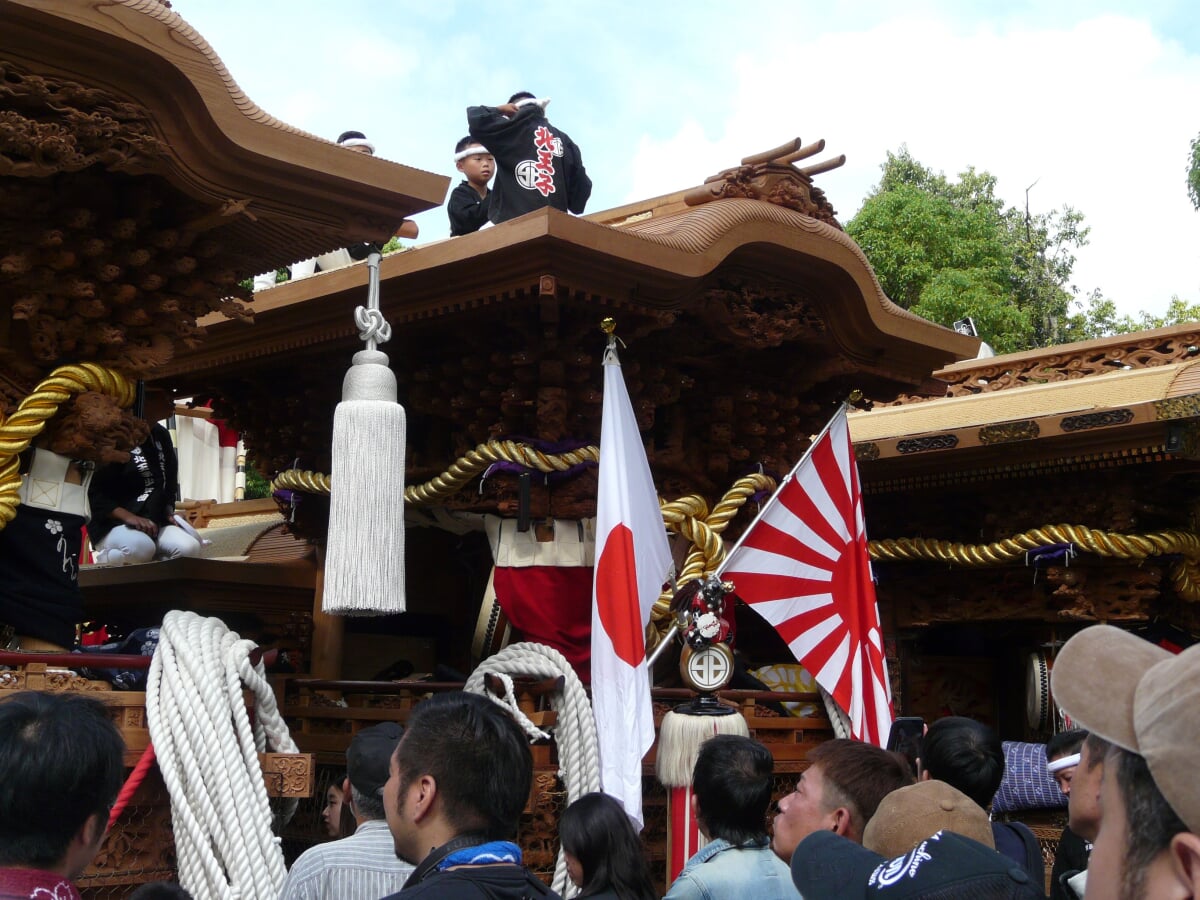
x,y
335,259
125,546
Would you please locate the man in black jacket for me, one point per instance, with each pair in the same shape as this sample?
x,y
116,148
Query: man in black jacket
x,y
537,164
458,782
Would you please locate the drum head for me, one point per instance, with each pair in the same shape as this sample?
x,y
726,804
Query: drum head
x,y
1039,704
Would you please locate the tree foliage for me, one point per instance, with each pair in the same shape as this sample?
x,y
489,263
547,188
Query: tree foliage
x,y
1194,173
948,249
1098,317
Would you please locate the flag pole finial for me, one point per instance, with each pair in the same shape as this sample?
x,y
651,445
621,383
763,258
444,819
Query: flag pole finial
x,y
855,396
608,325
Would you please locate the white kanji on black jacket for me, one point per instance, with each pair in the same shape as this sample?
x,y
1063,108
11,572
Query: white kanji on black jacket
x,y
537,164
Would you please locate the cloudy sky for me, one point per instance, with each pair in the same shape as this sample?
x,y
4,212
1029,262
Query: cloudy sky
x,y
1092,103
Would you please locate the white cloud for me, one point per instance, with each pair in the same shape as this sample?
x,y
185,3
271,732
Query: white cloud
x,y
1091,113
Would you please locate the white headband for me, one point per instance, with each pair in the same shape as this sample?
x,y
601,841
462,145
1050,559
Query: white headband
x,y
525,101
358,142
473,150
1065,763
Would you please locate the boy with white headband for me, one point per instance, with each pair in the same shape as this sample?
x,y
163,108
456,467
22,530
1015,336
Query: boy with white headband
x,y
1071,857
537,164
469,202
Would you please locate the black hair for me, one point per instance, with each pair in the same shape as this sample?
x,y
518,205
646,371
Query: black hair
x,y
477,755
1150,822
1065,743
597,832
160,890
522,95
965,754
61,762
465,143
1097,749
348,135
732,784
858,775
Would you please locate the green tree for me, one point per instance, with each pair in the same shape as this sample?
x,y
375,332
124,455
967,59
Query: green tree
x,y
1098,317
948,249
1194,173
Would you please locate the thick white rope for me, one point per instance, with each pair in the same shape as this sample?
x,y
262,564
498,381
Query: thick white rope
x,y
207,752
575,732
837,716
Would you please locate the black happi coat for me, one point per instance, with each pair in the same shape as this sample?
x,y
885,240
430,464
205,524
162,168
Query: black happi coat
x,y
537,164
146,485
467,210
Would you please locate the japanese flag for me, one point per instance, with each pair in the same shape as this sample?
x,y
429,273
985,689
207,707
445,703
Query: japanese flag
x,y
633,560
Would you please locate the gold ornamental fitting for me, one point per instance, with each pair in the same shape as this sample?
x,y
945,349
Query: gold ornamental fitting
x,y
608,325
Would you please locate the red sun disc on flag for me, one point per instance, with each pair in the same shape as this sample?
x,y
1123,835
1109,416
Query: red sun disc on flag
x,y
617,595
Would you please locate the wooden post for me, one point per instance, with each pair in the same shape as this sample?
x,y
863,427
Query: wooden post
x,y
328,632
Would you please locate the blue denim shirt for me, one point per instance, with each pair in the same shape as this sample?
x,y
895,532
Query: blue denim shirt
x,y
720,871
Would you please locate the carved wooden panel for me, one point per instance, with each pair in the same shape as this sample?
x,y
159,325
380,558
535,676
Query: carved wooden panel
x,y
288,774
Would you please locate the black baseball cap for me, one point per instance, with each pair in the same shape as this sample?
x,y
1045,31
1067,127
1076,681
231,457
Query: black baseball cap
x,y
369,756
946,866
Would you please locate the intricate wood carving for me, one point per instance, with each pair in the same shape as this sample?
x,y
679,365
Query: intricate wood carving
x,y
771,176
1068,362
926,595
40,677
1007,432
1178,407
288,774
139,848
1096,420
49,126
925,444
866,451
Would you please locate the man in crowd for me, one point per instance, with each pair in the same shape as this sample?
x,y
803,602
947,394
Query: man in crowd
x,y
61,766
968,755
458,782
363,864
731,790
1147,707
839,792
1063,756
537,164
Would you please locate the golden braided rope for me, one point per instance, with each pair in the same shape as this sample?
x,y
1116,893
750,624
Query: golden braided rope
x,y
1185,574
460,472
20,429
690,517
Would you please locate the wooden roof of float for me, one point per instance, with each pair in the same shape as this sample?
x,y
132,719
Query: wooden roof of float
x,y
1116,400
746,320
146,185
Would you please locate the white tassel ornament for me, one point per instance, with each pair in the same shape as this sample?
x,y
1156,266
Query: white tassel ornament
x,y
364,563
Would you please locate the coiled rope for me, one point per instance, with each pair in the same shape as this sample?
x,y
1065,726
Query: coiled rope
x,y
208,755
20,429
575,732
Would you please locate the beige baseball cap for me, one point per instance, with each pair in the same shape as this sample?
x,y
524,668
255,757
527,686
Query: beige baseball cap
x,y
1142,698
909,815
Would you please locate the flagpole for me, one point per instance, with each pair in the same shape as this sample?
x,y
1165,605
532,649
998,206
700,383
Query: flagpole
x,y
779,488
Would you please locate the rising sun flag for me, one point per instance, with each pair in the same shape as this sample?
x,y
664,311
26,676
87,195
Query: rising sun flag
x,y
803,566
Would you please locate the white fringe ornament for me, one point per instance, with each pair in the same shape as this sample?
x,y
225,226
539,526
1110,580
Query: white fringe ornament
x,y
364,561
679,741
